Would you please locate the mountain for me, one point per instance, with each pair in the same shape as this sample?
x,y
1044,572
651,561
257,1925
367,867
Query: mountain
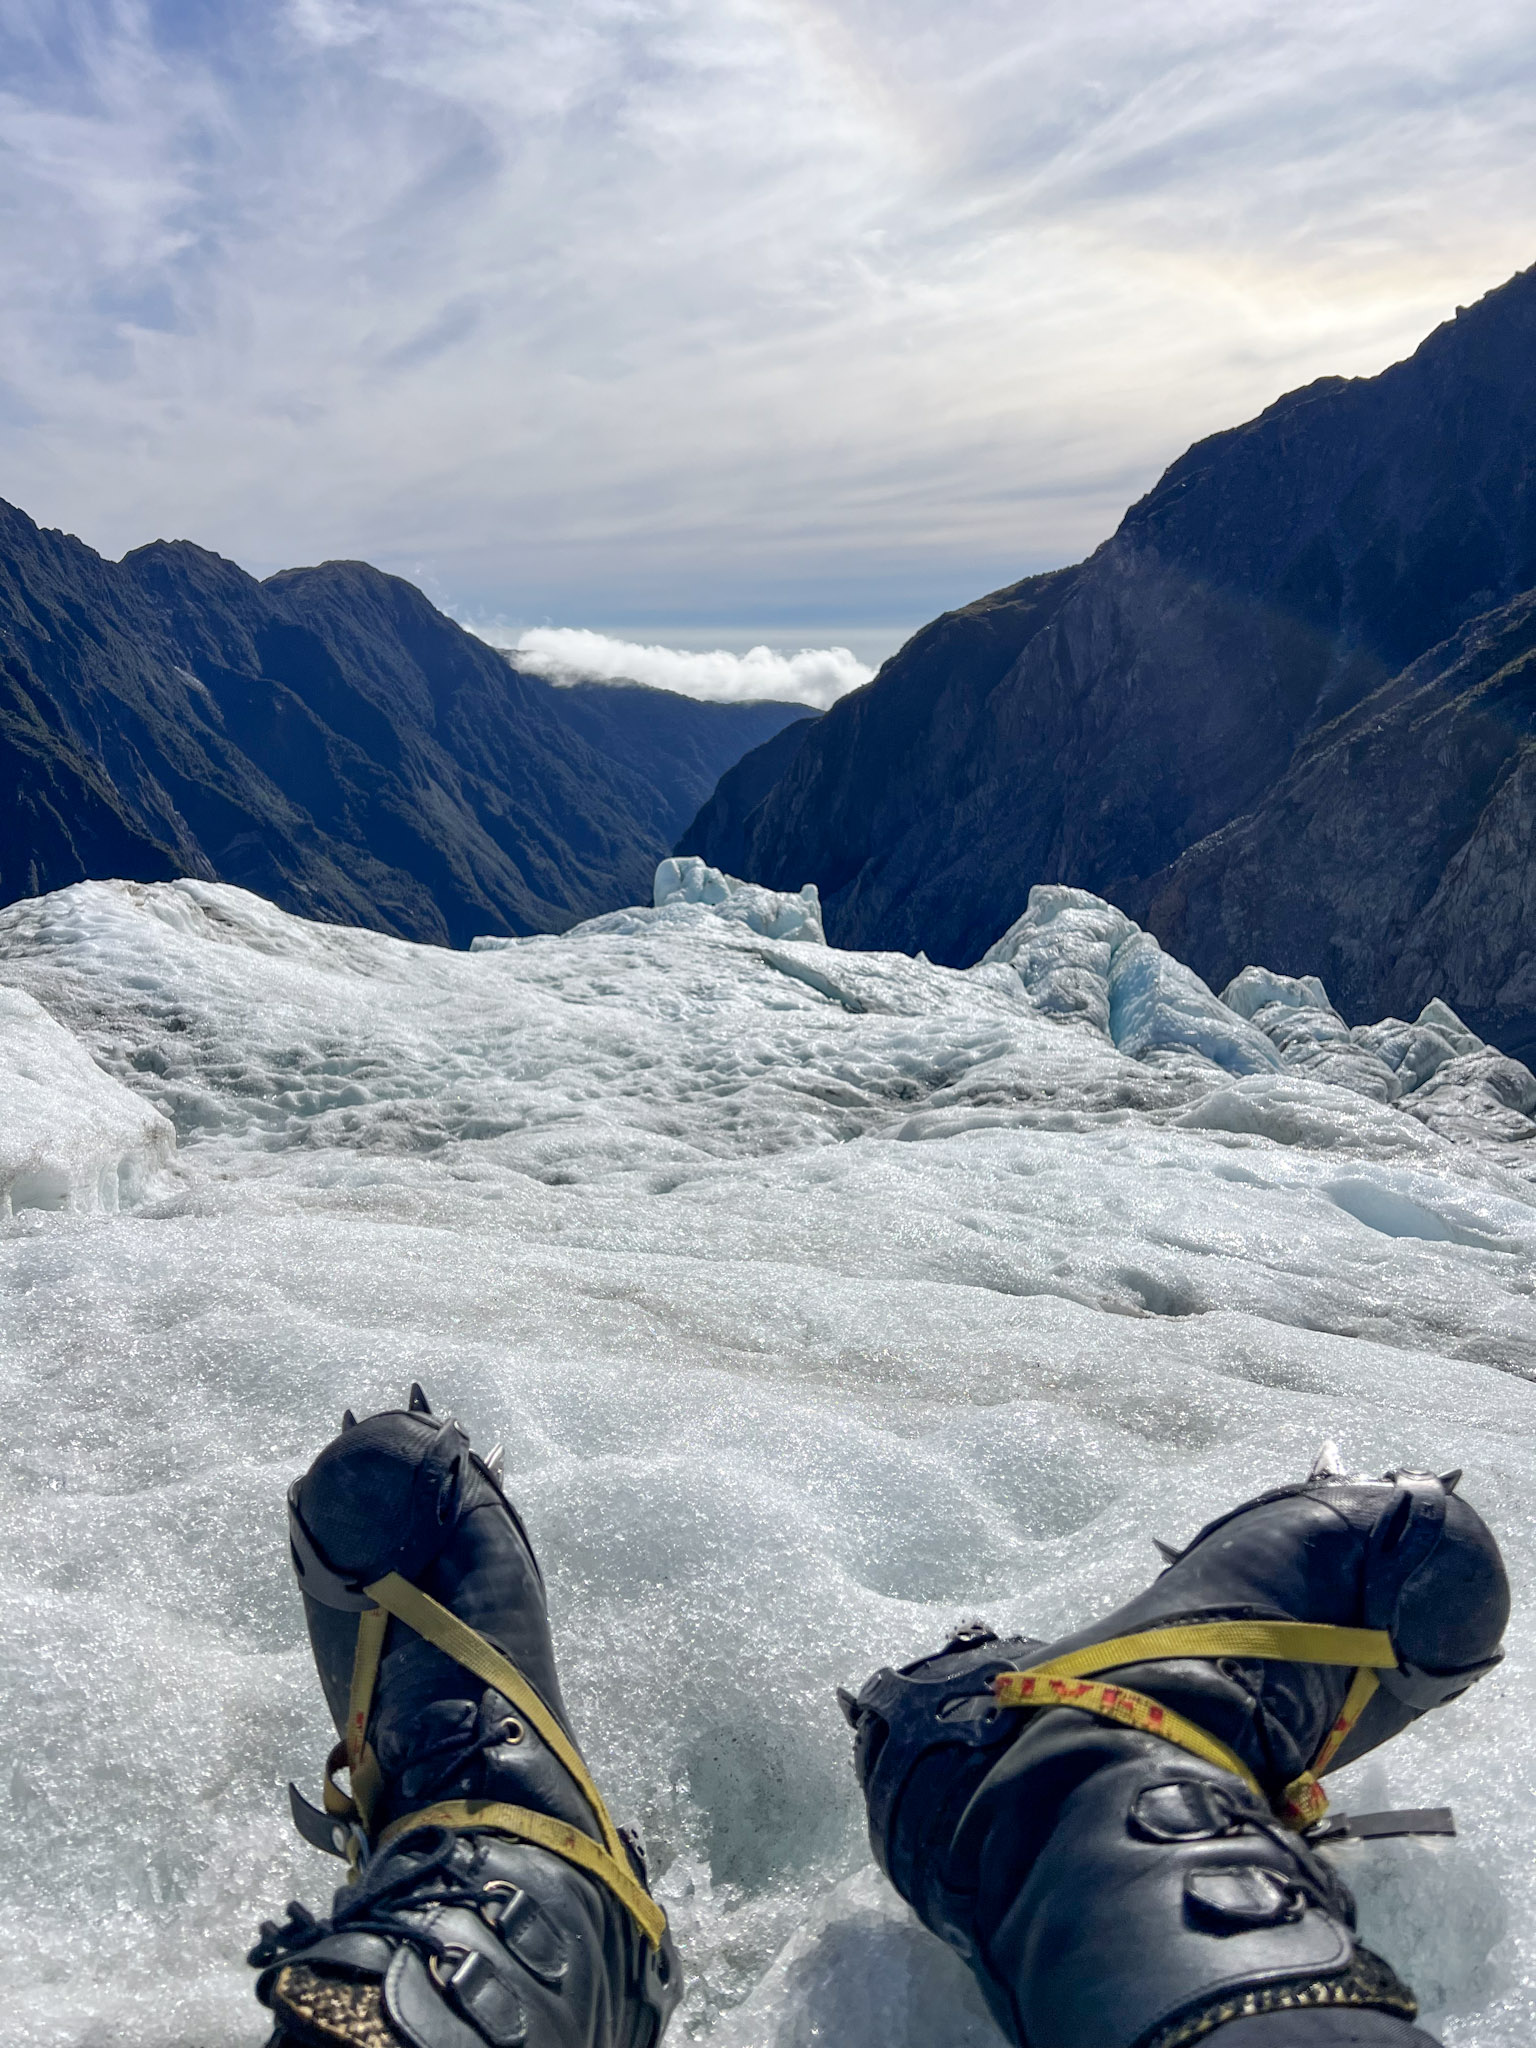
x,y
683,747
1097,725
722,822
1397,851
328,739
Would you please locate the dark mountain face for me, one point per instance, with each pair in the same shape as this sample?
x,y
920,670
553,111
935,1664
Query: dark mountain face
x,y
723,821
890,775
328,739
1397,854
1092,726
681,746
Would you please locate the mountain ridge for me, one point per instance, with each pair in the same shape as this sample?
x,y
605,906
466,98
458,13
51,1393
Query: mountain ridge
x,y
325,737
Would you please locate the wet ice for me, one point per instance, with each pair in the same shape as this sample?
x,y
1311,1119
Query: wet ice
x,y
821,1299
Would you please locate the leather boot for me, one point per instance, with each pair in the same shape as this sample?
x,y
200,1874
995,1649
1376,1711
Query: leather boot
x,y
491,1901
1134,1870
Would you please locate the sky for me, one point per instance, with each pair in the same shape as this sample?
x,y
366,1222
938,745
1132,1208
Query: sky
x,y
691,324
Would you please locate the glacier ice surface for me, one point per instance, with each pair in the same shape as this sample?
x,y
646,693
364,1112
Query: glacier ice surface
x,y
821,1299
1439,1016
1157,1004
1412,1051
1082,961
70,1137
1479,1093
1061,949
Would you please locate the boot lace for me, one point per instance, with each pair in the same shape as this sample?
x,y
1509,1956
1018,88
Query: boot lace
x,y
432,1877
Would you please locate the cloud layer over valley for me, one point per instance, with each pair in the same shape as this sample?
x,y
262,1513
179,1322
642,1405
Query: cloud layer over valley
x,y
812,675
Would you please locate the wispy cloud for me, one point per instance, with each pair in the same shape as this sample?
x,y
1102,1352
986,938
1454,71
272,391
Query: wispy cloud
x,y
655,309
811,675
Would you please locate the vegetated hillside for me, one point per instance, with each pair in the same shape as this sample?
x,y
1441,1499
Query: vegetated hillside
x,y
682,746
1094,725
328,739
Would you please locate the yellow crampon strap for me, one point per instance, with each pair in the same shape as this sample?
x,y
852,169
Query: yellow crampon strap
x,y
607,1861
1356,1700
362,1765
1066,1681
1119,1703
545,1833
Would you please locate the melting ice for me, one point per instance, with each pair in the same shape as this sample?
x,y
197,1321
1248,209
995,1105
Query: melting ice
x,y
822,1299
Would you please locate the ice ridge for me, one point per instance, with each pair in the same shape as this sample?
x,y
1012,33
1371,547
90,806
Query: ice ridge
x,y
1081,961
774,913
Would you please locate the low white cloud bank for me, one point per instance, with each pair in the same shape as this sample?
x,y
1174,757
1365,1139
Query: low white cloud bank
x,y
574,654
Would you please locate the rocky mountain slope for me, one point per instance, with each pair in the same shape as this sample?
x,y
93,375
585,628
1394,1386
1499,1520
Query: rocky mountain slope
x,y
723,821
328,739
683,747
1095,725
1398,850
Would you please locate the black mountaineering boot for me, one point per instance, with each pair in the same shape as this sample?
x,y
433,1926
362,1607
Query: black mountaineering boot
x,y
1119,1831
491,1900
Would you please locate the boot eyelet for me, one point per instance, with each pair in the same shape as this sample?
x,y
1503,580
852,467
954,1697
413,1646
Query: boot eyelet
x,y
446,1966
501,1903
512,1730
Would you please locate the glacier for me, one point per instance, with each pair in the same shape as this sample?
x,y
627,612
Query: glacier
x,y
773,912
822,1299
70,1137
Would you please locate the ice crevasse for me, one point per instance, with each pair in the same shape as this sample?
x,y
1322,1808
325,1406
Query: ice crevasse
x,y
821,1299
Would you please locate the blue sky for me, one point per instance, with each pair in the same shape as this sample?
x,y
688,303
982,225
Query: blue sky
x,y
716,315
